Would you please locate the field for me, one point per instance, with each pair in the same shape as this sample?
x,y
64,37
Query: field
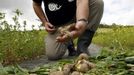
x,y
17,46
119,37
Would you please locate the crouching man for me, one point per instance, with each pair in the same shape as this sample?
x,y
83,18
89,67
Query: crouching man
x,y
86,14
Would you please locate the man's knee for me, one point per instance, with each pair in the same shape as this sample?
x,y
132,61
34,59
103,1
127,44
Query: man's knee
x,y
53,56
53,49
56,52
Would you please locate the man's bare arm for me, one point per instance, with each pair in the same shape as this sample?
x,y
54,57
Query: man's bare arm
x,y
39,12
82,12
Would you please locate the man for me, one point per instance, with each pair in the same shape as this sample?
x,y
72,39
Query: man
x,y
85,13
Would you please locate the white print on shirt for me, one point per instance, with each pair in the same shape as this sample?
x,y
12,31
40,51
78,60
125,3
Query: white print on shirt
x,y
54,7
70,0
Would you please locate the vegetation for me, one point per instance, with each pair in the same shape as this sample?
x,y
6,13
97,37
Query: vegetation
x,y
117,37
17,45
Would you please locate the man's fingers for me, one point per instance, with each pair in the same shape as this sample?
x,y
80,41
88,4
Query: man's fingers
x,y
50,28
65,37
58,39
62,38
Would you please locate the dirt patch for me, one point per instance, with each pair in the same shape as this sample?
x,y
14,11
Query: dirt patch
x,y
30,64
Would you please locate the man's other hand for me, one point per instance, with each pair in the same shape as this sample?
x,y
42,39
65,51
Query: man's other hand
x,y
49,27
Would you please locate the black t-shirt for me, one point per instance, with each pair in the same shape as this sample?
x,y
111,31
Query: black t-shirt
x,y
59,12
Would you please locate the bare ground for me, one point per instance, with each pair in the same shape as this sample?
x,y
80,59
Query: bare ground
x,y
30,64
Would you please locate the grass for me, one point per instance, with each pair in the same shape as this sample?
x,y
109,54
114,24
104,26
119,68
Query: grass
x,y
16,45
115,37
108,62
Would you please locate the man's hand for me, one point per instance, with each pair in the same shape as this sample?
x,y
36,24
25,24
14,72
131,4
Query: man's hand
x,y
49,27
76,31
65,34
63,38
79,28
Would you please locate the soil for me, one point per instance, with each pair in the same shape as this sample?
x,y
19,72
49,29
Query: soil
x,y
30,64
